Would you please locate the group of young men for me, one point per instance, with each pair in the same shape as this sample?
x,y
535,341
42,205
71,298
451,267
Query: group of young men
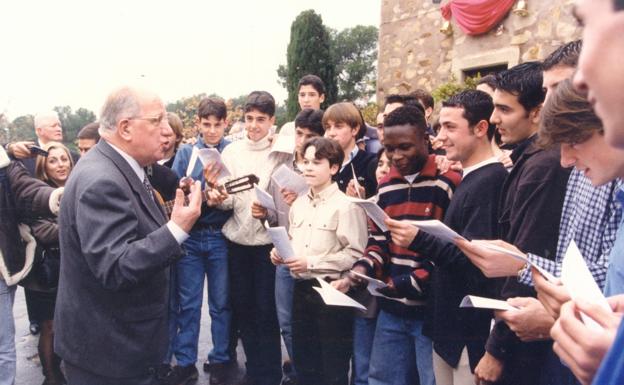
x,y
132,275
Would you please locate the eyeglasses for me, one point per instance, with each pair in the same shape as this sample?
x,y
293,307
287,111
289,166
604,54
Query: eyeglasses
x,y
155,120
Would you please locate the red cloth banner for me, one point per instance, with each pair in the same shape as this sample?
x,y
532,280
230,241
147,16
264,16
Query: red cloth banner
x,y
475,17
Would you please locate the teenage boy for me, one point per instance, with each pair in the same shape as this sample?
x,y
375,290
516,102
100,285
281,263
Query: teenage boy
x,y
529,216
206,258
308,124
344,124
426,101
415,190
87,138
328,235
252,276
590,215
579,346
459,335
310,94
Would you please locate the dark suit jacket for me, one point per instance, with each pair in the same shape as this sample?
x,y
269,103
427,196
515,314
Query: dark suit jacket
x,y
111,309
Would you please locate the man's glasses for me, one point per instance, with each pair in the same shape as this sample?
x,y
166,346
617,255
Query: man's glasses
x,y
155,120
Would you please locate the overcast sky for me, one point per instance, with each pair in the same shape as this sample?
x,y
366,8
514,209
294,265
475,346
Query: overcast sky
x,y
73,52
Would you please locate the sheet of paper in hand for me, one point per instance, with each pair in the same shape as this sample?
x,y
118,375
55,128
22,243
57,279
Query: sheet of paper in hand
x,y
334,297
521,257
212,156
265,199
290,180
437,229
372,284
281,241
485,303
373,211
580,283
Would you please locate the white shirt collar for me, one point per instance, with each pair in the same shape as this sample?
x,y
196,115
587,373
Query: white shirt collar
x,y
470,169
131,161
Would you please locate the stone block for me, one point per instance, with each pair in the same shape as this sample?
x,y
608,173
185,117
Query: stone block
x,y
521,38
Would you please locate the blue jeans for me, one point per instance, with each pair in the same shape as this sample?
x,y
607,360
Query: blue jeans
x,y
7,335
398,339
206,255
284,284
363,335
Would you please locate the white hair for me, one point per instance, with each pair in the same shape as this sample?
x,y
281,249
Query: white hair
x,y
42,117
121,103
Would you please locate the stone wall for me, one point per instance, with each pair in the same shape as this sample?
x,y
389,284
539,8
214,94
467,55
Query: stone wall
x,y
414,54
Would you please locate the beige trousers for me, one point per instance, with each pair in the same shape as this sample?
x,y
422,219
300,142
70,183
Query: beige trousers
x,y
448,375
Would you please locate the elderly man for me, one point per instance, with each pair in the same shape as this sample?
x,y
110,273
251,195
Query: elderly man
x,y
117,246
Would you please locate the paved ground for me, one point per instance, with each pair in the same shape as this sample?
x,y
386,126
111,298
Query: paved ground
x,y
29,368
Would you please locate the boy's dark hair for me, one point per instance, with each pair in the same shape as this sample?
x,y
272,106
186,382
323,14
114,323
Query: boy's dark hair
x,y
325,149
348,113
90,131
567,117
407,115
404,99
314,81
477,106
489,80
525,82
618,5
212,106
261,101
566,55
310,119
424,97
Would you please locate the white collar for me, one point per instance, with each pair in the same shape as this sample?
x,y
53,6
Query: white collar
x,y
472,168
131,161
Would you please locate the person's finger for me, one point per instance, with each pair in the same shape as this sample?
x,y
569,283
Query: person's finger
x,y
604,317
179,198
195,198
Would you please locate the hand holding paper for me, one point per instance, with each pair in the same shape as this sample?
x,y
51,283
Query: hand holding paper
x,y
374,212
265,199
333,297
290,180
438,230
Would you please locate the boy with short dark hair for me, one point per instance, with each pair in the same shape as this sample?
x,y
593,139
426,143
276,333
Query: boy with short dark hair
x,y
252,276
416,190
459,335
328,235
206,258
310,95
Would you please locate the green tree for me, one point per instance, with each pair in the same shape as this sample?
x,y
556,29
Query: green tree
x,y
355,53
73,121
22,128
309,52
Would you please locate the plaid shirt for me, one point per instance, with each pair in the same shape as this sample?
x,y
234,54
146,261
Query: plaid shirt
x,y
591,216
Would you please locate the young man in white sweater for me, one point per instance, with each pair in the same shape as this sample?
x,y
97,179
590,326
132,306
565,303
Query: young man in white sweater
x,y
252,276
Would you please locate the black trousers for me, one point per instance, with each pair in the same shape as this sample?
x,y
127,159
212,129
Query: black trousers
x,y
252,283
322,337
79,376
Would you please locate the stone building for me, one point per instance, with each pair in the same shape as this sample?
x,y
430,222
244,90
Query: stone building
x,y
413,53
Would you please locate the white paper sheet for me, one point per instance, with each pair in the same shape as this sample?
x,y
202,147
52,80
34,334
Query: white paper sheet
x,y
356,184
192,161
334,297
437,229
281,241
265,199
577,278
521,257
373,211
372,284
283,143
290,180
211,155
485,303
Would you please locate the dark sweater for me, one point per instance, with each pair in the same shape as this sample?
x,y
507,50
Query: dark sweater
x,y
364,165
529,216
427,197
472,213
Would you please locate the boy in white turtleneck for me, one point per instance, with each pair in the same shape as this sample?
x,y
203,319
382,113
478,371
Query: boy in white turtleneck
x,y
252,276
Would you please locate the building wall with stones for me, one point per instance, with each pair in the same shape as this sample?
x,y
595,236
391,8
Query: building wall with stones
x,y
413,53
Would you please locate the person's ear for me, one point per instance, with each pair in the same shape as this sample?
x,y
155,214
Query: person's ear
x,y
333,169
535,115
272,120
321,98
428,112
480,129
124,129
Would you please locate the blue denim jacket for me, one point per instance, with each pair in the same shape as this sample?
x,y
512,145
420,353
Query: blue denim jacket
x,y
615,271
